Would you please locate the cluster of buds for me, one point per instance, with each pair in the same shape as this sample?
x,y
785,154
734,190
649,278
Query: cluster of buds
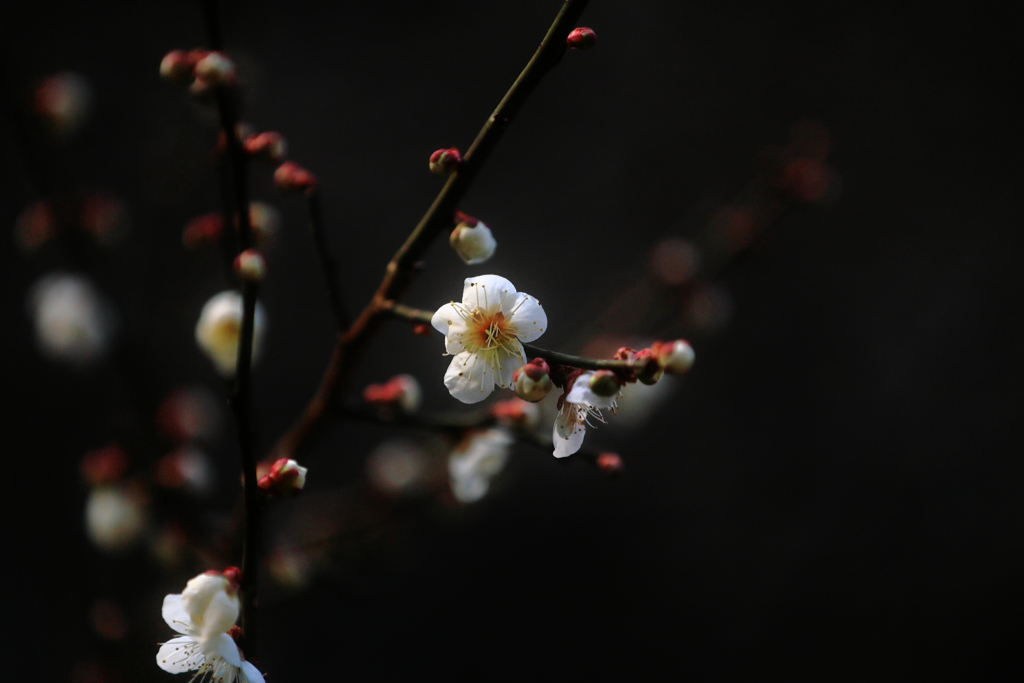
x,y
532,382
400,393
445,161
199,70
650,365
472,240
285,478
290,178
268,145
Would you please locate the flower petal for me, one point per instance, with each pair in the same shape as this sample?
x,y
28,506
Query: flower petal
x,y
175,616
582,393
527,316
509,364
179,654
222,645
448,322
251,673
468,378
567,445
487,291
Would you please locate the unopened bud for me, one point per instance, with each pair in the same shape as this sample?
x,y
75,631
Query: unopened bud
x,y
268,145
581,38
250,265
675,357
444,161
422,330
647,368
291,178
234,576
532,382
178,67
286,478
215,69
610,463
472,240
402,392
605,383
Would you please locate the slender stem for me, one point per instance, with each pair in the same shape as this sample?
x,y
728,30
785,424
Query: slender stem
x,y
416,315
241,396
327,262
402,268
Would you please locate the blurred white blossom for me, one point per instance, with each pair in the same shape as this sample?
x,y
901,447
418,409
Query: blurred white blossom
x,y
220,327
115,516
478,460
74,323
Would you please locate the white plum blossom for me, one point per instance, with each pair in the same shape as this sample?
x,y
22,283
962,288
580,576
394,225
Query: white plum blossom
x,y
204,613
220,327
578,406
74,323
473,465
485,334
473,242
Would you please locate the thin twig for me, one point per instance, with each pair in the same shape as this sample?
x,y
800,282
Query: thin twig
x,y
400,271
327,262
241,397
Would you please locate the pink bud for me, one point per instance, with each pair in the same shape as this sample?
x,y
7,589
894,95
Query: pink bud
x,y
532,382
610,463
581,38
234,576
285,478
444,161
401,392
268,145
215,69
250,265
178,67
675,357
291,178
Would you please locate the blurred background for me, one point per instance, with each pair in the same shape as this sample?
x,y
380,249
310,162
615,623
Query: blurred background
x,y
833,493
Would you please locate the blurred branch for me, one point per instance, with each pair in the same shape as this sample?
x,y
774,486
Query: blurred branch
x,y
401,270
327,262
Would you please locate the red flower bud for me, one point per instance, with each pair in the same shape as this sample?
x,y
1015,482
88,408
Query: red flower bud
x,y
581,38
291,178
444,161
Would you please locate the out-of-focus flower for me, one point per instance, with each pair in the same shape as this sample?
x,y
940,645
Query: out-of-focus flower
x,y
63,102
269,145
578,406
186,468
398,467
472,240
215,68
74,323
219,329
478,460
115,516
265,220
205,613
485,334
401,392
250,265
674,261
290,178
191,413
285,478
104,465
203,230
515,413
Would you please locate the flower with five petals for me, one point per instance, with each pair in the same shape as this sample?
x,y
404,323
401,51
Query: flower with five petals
x,y
485,334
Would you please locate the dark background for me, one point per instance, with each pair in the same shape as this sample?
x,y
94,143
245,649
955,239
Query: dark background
x,y
832,494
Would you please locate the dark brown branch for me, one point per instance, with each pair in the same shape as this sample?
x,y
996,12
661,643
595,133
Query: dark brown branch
x,y
402,268
415,315
327,263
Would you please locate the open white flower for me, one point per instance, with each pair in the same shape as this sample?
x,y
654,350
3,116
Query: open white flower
x,y
578,406
204,613
480,459
485,334
220,328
